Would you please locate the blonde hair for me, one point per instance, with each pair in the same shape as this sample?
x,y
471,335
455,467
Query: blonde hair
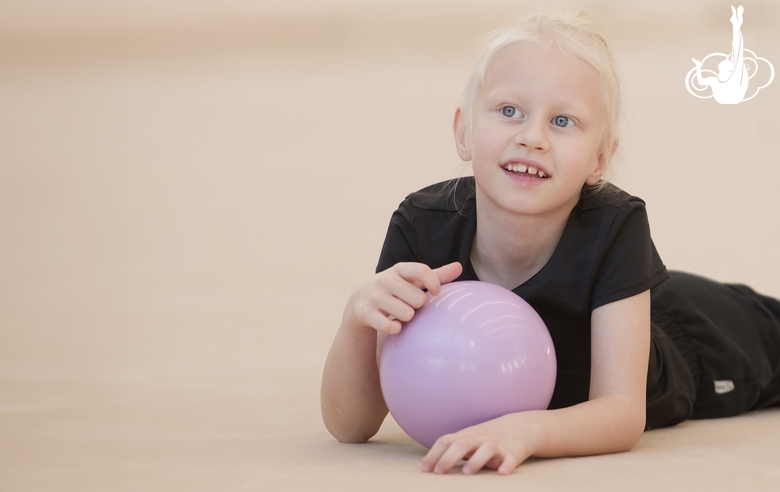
x,y
573,32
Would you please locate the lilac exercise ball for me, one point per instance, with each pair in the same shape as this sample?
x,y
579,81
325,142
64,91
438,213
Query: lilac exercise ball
x,y
473,353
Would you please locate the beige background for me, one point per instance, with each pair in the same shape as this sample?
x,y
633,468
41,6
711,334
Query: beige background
x,y
190,190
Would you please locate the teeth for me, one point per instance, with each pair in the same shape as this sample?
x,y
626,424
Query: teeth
x,y
518,168
521,168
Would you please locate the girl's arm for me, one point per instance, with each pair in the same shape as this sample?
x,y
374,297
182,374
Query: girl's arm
x,y
351,399
352,404
611,421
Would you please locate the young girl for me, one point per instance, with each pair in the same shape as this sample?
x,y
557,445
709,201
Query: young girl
x,y
538,122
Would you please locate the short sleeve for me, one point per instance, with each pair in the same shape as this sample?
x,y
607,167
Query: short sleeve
x,y
400,241
631,263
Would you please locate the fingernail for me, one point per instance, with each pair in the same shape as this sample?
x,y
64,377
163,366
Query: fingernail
x,y
426,467
467,469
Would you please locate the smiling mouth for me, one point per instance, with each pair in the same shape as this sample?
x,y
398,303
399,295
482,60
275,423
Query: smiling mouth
x,y
523,169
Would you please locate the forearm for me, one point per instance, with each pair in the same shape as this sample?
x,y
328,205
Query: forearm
x,y
351,397
353,407
608,424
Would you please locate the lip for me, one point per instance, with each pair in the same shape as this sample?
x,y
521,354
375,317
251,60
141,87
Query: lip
x,y
527,162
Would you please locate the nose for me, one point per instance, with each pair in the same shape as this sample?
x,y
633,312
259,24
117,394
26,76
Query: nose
x,y
532,135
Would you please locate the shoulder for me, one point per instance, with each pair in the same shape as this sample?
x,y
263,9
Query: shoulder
x,y
610,198
453,195
434,225
628,262
609,210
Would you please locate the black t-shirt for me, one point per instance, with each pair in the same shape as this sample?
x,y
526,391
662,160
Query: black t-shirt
x,y
605,254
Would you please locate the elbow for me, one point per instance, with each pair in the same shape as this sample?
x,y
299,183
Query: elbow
x,y
626,425
633,430
343,428
632,439
340,428
347,435
352,438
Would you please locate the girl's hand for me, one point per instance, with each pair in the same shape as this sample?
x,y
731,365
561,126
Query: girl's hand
x,y
392,296
611,421
500,444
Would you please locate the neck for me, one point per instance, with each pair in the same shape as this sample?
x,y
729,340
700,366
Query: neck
x,y
509,248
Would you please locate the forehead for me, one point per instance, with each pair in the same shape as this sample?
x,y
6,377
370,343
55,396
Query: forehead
x,y
526,69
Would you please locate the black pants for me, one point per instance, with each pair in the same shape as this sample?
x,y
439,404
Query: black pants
x,y
715,351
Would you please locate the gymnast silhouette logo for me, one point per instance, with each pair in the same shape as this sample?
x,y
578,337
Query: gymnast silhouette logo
x,y
730,84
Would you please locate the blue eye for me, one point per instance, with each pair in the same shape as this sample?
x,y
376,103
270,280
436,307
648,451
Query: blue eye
x,y
562,121
509,111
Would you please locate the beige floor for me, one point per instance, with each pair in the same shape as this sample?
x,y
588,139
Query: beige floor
x,y
190,191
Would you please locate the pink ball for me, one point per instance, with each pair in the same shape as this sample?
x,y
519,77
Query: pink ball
x,y
473,353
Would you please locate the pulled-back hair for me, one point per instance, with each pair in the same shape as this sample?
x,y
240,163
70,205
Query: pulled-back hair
x,y
572,32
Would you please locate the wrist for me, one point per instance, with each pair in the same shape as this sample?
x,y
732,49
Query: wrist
x,y
350,324
529,427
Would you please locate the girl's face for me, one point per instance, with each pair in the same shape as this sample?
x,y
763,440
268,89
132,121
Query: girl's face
x,y
536,128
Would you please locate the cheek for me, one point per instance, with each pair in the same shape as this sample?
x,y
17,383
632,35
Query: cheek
x,y
488,142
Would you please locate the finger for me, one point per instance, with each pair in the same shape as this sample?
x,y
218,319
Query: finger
x,y
410,294
508,466
380,322
439,448
396,308
455,452
435,453
448,273
443,275
419,275
480,457
396,297
377,304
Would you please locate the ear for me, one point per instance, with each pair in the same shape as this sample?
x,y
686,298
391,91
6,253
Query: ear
x,y
459,129
601,163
